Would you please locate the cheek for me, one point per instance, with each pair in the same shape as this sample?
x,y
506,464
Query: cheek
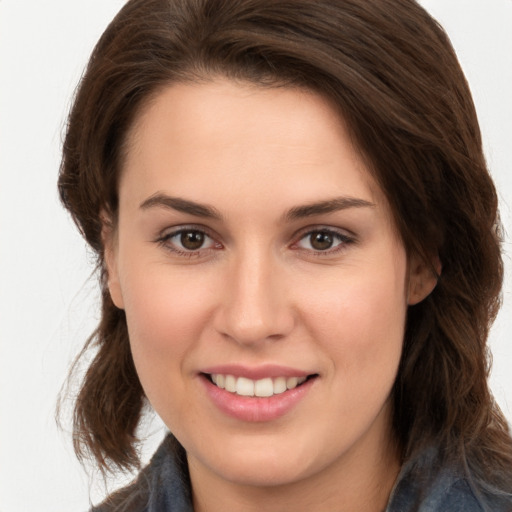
x,y
360,321
165,314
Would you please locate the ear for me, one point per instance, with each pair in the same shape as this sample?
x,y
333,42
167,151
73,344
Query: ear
x,y
423,276
110,252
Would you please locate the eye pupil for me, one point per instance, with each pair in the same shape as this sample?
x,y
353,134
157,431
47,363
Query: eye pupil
x,y
192,240
321,240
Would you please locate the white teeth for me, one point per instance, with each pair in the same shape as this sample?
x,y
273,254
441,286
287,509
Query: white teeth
x,y
261,388
291,382
230,383
279,385
264,387
244,387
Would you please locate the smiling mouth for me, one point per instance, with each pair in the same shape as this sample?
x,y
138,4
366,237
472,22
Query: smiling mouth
x,y
261,388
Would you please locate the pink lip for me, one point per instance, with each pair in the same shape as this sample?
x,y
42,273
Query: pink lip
x,y
255,409
256,373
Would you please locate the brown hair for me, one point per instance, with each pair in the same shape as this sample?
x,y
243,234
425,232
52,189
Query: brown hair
x,y
392,72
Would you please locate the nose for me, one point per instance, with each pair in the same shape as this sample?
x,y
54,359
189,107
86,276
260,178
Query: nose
x,y
254,306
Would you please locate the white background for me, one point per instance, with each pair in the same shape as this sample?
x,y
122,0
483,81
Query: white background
x,y
48,303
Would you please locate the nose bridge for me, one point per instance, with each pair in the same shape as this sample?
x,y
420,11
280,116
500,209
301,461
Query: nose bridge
x,y
254,307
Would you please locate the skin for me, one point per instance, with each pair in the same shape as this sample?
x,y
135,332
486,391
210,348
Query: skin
x,y
259,291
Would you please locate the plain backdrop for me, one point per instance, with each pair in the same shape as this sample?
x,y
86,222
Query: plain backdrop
x,y
48,301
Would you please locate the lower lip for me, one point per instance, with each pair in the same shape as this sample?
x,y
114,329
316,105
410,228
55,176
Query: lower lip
x,y
256,409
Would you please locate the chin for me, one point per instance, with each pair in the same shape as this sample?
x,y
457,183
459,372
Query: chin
x,y
259,461
261,473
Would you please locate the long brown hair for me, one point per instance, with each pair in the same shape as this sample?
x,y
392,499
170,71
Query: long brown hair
x,y
392,72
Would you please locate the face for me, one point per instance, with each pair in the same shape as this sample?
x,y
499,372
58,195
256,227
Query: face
x,y
264,285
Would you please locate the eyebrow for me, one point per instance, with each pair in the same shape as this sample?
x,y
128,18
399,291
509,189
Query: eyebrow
x,y
181,205
298,212
323,207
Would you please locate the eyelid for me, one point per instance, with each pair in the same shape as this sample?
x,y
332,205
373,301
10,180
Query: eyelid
x,y
345,236
167,234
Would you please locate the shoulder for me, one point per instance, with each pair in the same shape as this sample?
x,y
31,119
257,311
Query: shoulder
x,y
426,485
162,486
461,496
455,495
133,498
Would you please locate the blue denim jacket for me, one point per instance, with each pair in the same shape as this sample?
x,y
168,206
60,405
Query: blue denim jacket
x,y
164,486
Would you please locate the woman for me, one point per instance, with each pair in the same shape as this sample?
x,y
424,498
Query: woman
x,y
298,244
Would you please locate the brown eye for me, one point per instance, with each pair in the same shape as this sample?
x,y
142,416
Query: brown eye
x,y
192,240
187,242
324,241
321,240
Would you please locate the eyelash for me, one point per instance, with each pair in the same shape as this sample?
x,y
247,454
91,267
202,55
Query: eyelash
x,y
342,238
165,241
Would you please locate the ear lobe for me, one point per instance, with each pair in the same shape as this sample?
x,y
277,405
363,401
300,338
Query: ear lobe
x,y
108,237
423,278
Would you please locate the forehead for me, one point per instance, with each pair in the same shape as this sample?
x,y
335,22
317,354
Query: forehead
x,y
195,136
221,103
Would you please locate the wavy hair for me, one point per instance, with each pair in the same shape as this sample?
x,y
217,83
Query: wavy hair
x,y
393,74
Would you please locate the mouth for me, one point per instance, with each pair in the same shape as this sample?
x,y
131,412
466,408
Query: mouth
x,y
261,388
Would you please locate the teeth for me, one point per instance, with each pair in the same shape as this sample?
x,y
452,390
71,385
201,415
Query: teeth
x,y
264,387
291,382
260,388
230,383
279,385
244,387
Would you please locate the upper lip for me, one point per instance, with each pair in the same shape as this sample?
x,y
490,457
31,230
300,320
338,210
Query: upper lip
x,y
256,372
